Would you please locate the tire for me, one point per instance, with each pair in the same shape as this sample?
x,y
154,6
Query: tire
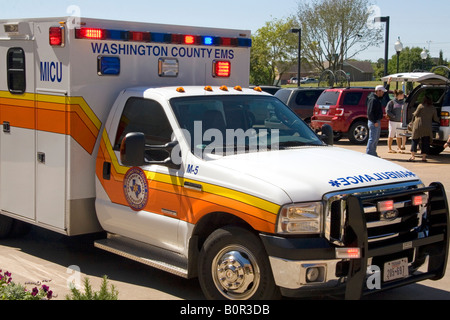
x,y
435,150
337,136
6,224
358,132
233,265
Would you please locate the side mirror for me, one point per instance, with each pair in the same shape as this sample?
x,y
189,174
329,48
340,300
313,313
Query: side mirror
x,y
327,134
133,152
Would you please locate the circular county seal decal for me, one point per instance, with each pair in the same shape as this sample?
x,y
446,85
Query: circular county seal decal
x,y
135,188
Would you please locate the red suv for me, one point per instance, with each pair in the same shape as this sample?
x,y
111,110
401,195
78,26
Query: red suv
x,y
345,110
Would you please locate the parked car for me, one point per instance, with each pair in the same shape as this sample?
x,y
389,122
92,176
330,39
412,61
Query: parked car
x,y
308,80
438,88
345,110
301,100
293,80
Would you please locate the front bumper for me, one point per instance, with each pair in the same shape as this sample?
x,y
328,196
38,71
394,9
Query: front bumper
x,y
426,251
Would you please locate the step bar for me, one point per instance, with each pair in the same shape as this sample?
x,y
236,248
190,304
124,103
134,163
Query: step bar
x,y
143,253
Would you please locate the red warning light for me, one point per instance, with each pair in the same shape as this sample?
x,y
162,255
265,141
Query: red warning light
x,y
222,69
139,36
90,33
419,199
56,36
385,205
189,39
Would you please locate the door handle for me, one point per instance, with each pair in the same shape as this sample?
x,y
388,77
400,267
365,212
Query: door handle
x,y
6,127
41,157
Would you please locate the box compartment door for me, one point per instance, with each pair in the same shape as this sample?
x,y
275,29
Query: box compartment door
x,y
17,132
51,155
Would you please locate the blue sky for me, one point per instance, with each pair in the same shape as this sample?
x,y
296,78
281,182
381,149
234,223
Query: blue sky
x,y
418,23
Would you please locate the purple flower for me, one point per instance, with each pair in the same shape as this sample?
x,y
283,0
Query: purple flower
x,y
49,294
45,288
34,292
8,274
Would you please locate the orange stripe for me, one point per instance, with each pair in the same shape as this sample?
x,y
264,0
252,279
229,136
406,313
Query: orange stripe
x,y
20,117
50,117
193,205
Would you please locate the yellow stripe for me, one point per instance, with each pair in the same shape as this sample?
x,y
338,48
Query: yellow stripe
x,y
25,96
207,187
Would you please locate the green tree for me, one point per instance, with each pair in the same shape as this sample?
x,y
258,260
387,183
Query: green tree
x,y
336,30
274,51
409,60
378,68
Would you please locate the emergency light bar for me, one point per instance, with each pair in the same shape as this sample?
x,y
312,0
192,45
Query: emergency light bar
x,y
139,36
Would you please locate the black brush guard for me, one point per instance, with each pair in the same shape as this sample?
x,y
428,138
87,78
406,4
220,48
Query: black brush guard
x,y
434,245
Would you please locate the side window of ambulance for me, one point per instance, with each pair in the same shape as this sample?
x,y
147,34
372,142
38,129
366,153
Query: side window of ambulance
x,y
16,70
146,116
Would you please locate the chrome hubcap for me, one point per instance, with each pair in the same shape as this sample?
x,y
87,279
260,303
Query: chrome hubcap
x,y
360,133
235,273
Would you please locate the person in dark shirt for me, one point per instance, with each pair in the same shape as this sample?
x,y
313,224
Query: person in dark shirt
x,y
374,114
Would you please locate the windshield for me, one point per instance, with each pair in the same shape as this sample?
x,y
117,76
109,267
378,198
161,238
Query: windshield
x,y
225,125
328,98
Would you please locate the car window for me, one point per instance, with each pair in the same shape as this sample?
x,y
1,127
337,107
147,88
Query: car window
x,y
283,95
146,116
328,98
352,98
446,101
16,70
307,98
434,93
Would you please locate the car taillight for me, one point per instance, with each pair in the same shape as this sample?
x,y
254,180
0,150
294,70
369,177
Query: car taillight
x,y
445,119
339,112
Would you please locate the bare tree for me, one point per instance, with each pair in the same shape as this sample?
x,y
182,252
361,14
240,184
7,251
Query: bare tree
x,y
336,30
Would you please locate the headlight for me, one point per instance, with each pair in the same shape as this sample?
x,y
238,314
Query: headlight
x,y
300,218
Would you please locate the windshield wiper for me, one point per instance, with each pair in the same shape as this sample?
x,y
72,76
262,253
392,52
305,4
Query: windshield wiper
x,y
293,144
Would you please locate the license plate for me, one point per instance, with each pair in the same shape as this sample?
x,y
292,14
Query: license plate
x,y
396,269
323,111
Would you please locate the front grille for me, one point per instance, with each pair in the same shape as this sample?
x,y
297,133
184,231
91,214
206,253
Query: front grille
x,y
399,222
402,221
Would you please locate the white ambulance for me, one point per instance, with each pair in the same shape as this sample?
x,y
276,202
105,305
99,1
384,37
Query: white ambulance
x,y
149,133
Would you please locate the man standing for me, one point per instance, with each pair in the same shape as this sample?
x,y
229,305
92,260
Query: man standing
x,y
374,114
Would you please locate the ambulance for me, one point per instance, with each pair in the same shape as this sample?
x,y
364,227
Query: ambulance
x,y
150,135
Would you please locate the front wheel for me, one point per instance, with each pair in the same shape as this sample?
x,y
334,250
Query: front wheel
x,y
233,265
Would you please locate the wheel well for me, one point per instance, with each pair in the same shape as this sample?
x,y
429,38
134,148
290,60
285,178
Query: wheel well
x,y
207,225
358,120
213,221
